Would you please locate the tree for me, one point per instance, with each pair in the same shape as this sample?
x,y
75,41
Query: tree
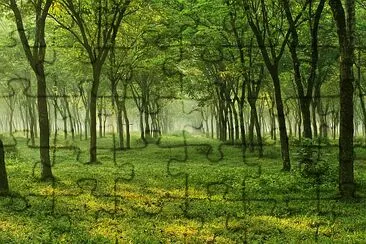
x,y
95,26
36,56
344,18
4,186
260,22
305,92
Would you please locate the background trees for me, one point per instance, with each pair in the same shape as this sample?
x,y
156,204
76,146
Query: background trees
x,y
263,66
95,26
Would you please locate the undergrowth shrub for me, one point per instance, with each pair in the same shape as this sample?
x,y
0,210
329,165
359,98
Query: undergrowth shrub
x,y
312,163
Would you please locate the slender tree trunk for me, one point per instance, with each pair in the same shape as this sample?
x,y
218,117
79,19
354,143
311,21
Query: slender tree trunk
x,y
231,124
242,127
212,121
78,121
100,114
104,120
23,118
281,121
323,122
93,114
142,129
87,119
11,118
299,123
71,120
360,93
93,132
259,135
35,126
289,122
217,120
146,118
251,131
304,100
236,123
254,122
272,124
120,125
127,121
4,185
64,118
315,126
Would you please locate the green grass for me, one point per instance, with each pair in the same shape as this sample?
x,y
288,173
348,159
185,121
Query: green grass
x,y
213,195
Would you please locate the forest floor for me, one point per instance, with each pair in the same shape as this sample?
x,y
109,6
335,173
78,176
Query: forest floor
x,y
177,191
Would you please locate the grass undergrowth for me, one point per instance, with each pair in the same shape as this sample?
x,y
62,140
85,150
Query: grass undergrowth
x,y
199,191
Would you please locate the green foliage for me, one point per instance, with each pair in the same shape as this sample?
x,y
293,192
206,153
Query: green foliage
x,y
312,163
265,220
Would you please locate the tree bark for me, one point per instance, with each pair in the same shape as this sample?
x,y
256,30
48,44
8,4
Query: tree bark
x,y
345,22
120,124
4,185
127,122
281,122
44,127
93,114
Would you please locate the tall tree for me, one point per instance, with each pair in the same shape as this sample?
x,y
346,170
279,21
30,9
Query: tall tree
x,y
265,30
304,90
95,25
35,55
344,17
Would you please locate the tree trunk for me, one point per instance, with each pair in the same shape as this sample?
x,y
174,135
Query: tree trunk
x,y
212,121
242,127
259,135
236,122
345,30
146,119
304,99
4,185
100,114
315,126
100,119
254,122
71,120
142,130
281,121
87,119
93,114
35,126
127,123
105,116
23,118
251,131
231,124
120,125
44,127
